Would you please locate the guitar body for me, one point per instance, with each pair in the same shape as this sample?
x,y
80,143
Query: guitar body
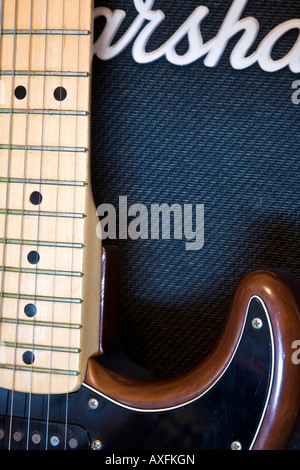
x,y
250,402
229,413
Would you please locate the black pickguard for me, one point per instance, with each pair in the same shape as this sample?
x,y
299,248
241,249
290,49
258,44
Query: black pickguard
x,y
230,411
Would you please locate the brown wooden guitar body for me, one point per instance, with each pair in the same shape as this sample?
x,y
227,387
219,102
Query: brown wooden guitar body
x,y
280,294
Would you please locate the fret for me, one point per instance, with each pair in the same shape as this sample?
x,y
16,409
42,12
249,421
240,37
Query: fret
x,y
57,200
41,336
44,360
42,182
68,215
39,370
49,324
40,243
39,272
52,256
65,229
44,165
64,133
41,285
41,32
75,101
43,148
61,53
44,73
41,347
48,314
64,300
75,15
45,112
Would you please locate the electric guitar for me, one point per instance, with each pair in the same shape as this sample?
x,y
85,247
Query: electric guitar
x,y
64,381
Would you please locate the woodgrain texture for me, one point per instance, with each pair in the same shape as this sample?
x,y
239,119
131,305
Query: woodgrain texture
x,y
44,148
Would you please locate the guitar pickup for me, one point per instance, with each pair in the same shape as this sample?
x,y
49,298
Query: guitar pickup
x,y
32,434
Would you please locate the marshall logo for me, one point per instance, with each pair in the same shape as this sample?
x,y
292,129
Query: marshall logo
x,y
148,20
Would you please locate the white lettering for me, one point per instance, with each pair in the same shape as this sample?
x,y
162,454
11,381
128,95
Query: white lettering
x,y
116,460
158,222
168,459
165,211
138,228
107,228
292,59
198,234
296,94
140,33
296,354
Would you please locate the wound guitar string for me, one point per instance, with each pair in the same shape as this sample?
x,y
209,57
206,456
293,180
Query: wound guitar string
x,y
24,183
38,206
55,236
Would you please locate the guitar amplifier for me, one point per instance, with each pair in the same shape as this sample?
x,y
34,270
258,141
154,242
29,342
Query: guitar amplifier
x,y
195,108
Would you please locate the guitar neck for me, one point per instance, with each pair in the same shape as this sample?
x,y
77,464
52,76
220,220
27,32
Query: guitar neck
x,y
49,315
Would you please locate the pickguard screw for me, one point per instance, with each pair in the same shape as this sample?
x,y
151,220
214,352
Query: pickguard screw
x,y
93,403
96,445
257,323
236,445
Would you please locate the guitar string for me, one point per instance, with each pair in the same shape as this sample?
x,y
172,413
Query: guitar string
x,y
56,226
73,224
29,395
23,188
43,108
33,318
7,192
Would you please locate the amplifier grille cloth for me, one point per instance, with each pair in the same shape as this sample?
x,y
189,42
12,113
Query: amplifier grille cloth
x,y
220,137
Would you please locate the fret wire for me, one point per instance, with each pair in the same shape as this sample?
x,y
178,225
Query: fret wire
x,y
42,298
54,32
37,148
69,215
12,241
46,73
45,272
72,326
40,347
46,182
39,369
50,112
